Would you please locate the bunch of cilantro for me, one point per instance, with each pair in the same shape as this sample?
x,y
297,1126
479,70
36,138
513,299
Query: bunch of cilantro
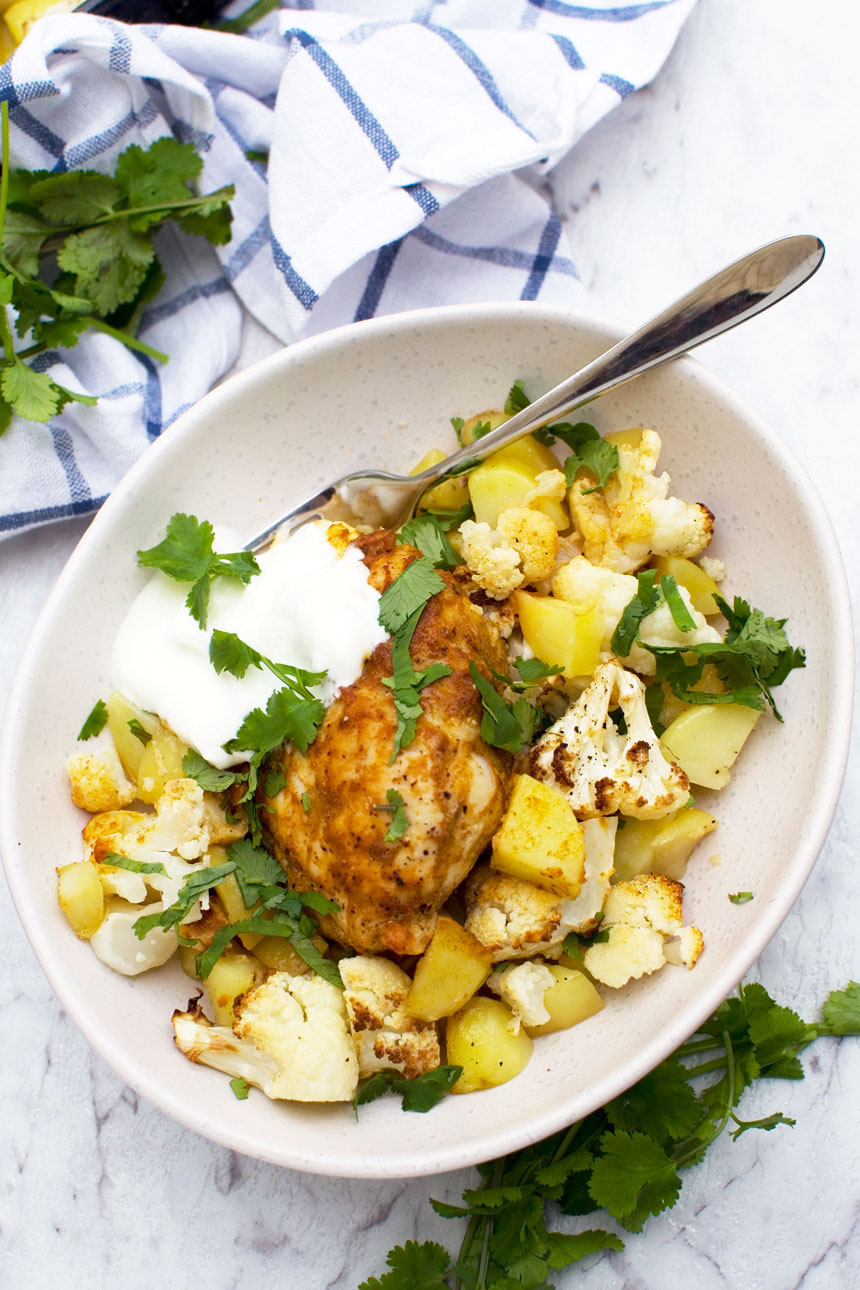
x,y
625,1158
76,253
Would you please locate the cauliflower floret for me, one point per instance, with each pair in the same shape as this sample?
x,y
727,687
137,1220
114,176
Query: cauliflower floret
x,y
713,567
494,566
116,944
601,771
522,548
98,781
515,918
632,518
641,915
385,1036
290,1039
549,484
522,988
585,586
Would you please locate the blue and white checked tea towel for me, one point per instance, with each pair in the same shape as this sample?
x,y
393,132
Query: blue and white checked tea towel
x,y
401,137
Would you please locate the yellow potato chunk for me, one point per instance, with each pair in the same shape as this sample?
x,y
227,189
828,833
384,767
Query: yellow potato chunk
x,y
79,892
477,1038
535,455
693,578
706,740
161,761
450,495
230,898
558,633
120,712
571,999
661,846
493,418
232,975
495,486
625,438
188,958
540,839
277,953
453,967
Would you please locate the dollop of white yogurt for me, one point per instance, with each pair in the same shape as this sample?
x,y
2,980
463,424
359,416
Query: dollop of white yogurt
x,y
308,607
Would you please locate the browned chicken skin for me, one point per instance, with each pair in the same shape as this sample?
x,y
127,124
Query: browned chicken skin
x,y
452,784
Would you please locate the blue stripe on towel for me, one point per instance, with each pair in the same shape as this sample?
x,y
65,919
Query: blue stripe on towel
x,y
379,275
506,257
569,52
302,290
479,71
542,261
622,88
245,253
18,519
624,13
200,291
79,492
364,118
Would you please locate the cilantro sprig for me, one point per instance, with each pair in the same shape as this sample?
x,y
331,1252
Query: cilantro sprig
x,y
509,726
400,607
97,230
95,722
421,1093
626,1158
187,554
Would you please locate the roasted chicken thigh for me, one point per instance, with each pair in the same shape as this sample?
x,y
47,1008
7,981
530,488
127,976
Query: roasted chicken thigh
x,y
451,782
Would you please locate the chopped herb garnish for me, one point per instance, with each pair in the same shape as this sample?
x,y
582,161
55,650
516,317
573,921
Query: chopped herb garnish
x,y
407,684
306,801
187,554
508,726
645,601
741,897
95,722
458,423
274,782
399,819
134,866
681,615
427,534
419,1094
517,398
534,669
255,869
139,732
240,1087
409,591
448,519
210,779
195,886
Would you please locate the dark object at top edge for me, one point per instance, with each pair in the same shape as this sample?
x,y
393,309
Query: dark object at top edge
x,y
187,13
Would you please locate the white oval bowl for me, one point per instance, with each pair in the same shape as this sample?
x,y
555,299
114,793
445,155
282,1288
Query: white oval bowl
x,y
381,393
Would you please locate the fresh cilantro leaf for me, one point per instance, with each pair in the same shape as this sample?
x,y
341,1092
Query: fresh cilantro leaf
x,y
574,436
255,868
596,455
240,1087
643,603
210,779
6,411
75,198
95,722
419,1094
60,332
297,931
23,237
504,726
134,866
448,519
766,1123
426,533
109,263
413,1267
139,732
399,819
457,424
533,669
663,1101
517,398
841,1012
195,885
407,684
741,897
187,554
306,802
274,782
681,615
633,1177
408,592
158,176
33,394
229,653
287,716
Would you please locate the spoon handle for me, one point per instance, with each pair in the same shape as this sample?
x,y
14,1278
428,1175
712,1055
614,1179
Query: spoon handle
x,y
737,292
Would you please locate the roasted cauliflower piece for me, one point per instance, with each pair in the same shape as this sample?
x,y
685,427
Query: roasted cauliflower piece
x,y
98,781
586,586
522,987
601,771
385,1036
520,549
641,914
290,1039
632,517
515,918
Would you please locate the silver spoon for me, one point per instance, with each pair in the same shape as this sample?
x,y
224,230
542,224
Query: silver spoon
x,y
736,293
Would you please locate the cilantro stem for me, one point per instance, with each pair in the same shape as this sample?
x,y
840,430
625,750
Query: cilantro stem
x,y
130,212
4,177
131,342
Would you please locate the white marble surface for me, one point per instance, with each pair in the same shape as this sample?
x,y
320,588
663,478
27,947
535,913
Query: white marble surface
x,y
749,133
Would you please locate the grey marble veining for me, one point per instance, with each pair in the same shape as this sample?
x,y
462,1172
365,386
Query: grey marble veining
x,y
748,133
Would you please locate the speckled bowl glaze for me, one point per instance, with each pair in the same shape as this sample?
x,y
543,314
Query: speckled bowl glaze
x,y
381,393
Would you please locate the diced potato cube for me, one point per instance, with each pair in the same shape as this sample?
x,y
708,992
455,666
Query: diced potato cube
x,y
160,762
558,633
540,839
453,967
570,1000
535,455
231,976
478,1039
660,846
706,740
693,578
230,897
188,959
81,898
277,953
493,419
625,438
130,748
495,486
450,495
